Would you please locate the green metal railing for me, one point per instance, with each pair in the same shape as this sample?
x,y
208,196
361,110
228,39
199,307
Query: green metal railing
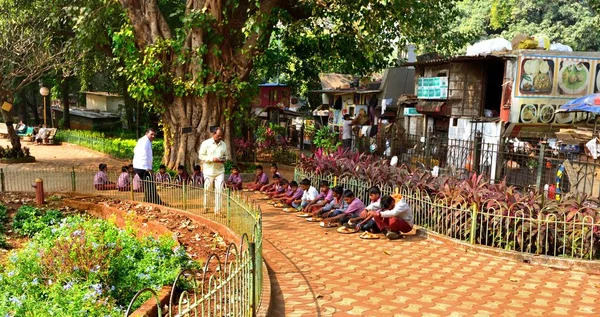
x,y
228,286
551,232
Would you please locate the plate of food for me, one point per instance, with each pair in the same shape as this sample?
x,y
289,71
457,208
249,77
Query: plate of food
x,y
324,224
537,76
546,114
367,235
528,113
271,202
278,205
345,230
565,117
245,190
289,209
573,78
303,215
314,219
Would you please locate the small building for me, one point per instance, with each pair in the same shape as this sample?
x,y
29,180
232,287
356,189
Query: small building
x,y
82,119
103,101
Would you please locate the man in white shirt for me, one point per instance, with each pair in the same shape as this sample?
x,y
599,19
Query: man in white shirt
x,y
347,132
142,166
395,217
213,153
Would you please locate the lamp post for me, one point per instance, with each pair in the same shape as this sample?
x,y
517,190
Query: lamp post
x,y
44,92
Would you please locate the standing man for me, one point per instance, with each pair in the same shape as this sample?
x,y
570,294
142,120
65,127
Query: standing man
x,y
213,154
142,166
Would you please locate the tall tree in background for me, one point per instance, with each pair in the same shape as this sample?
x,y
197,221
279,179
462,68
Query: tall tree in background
x,y
192,60
26,52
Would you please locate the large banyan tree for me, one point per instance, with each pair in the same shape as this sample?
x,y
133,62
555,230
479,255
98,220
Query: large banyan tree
x,y
192,60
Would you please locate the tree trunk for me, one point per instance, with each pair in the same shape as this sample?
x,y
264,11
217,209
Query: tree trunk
x,y
199,114
15,141
64,91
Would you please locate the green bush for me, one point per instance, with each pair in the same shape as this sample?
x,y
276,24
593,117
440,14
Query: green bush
x,y
84,267
3,243
30,220
121,148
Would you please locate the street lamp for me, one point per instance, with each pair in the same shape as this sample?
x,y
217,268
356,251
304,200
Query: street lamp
x,y
44,92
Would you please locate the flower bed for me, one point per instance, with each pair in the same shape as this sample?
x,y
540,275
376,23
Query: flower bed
x,y
473,209
76,266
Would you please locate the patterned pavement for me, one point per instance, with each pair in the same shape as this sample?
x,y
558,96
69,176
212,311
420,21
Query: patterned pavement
x,y
319,272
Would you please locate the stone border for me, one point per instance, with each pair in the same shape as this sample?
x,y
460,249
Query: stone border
x,y
554,262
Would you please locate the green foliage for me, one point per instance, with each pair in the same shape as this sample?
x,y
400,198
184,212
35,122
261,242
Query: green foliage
x,y
3,218
85,268
3,243
30,220
326,139
115,147
573,23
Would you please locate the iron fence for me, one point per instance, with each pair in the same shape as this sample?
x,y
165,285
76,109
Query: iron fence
x,y
229,286
551,231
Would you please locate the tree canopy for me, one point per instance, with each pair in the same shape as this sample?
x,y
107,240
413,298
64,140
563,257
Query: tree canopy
x,y
571,22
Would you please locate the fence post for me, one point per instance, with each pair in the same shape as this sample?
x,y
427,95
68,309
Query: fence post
x,y
229,207
2,180
540,167
132,178
73,180
474,213
184,195
334,181
500,160
252,251
477,152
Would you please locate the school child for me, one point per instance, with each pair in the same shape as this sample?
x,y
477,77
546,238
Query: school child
x,y
337,203
395,217
294,194
325,196
234,181
309,194
261,179
355,206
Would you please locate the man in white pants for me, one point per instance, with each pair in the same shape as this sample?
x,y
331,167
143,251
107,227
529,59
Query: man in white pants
x,y
213,153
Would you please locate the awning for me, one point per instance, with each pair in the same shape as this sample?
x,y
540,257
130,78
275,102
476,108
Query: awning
x,y
431,107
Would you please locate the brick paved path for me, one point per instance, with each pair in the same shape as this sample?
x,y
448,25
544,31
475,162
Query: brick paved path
x,y
319,272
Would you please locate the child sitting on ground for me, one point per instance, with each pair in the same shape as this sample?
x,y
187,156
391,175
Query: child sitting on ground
x,y
197,178
261,179
276,188
394,217
325,196
137,181
283,189
123,180
101,179
337,203
309,194
269,187
293,194
365,220
182,175
162,176
234,181
355,206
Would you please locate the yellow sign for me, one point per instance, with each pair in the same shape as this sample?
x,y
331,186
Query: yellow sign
x,y
6,106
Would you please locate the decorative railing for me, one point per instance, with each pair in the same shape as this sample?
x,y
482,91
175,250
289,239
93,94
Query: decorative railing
x,y
553,232
226,286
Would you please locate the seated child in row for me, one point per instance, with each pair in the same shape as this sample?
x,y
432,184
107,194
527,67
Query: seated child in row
x,y
355,206
394,217
309,194
162,176
261,179
234,182
365,220
278,186
182,176
293,194
124,183
325,196
197,178
337,203
274,172
101,181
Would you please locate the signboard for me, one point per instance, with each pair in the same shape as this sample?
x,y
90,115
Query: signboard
x,y
411,112
6,106
432,88
546,82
